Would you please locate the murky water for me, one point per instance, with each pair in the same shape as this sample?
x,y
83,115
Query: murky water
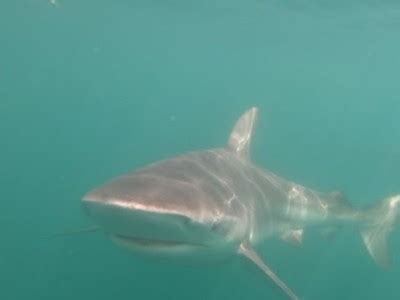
x,y
91,89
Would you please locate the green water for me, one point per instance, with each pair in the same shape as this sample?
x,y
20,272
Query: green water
x,y
90,89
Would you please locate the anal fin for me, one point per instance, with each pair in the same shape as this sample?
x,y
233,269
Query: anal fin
x,y
248,252
293,237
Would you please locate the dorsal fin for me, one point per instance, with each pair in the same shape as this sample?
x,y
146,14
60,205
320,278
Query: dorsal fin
x,y
240,138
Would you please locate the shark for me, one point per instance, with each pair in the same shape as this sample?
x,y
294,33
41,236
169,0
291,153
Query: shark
x,y
218,202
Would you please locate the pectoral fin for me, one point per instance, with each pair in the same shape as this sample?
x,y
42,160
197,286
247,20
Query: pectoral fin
x,y
248,252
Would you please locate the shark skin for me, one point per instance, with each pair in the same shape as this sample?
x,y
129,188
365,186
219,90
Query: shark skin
x,y
218,202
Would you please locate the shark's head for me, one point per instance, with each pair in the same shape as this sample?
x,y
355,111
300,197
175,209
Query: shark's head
x,y
148,211
175,205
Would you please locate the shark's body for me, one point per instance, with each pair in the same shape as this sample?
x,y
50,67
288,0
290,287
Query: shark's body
x,y
218,201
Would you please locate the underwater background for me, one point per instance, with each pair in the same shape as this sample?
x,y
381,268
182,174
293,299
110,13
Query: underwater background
x,y
92,89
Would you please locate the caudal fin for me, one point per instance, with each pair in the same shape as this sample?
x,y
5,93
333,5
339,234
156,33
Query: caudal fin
x,y
379,222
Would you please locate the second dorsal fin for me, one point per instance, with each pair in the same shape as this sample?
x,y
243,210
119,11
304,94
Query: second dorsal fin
x,y
240,138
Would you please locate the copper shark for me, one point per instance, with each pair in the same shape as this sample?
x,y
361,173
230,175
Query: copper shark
x,y
218,201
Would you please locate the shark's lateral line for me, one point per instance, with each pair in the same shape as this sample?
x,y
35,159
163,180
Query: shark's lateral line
x,y
219,202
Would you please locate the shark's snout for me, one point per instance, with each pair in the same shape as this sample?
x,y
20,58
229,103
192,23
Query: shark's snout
x,y
146,193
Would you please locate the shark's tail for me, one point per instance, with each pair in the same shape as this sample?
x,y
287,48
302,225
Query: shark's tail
x,y
378,222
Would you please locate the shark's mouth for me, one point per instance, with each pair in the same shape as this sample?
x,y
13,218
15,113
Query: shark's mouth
x,y
153,244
